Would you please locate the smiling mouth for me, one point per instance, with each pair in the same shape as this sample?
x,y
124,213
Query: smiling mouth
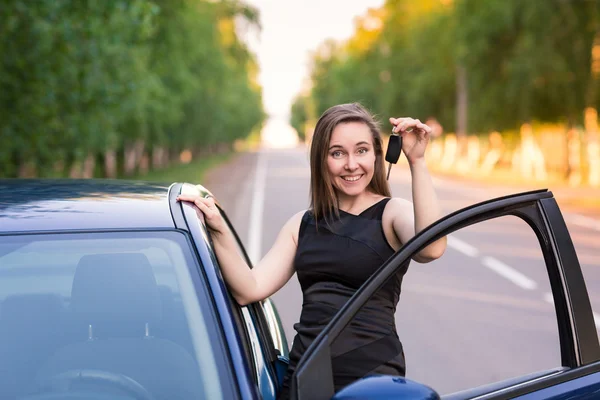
x,y
351,178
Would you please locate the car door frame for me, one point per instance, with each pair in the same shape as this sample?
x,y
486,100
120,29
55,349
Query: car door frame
x,y
193,221
189,220
259,313
580,350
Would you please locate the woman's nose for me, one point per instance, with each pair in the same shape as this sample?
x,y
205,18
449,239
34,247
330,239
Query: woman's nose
x,y
351,164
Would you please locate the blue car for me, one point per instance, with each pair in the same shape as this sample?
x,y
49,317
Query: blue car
x,y
111,290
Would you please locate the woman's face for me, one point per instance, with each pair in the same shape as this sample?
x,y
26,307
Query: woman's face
x,y
351,158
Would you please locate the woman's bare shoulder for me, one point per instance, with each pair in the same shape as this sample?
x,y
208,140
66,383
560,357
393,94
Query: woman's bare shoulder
x,y
397,207
292,226
399,203
296,218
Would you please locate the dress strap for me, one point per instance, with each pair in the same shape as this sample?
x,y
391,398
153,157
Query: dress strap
x,y
376,210
303,223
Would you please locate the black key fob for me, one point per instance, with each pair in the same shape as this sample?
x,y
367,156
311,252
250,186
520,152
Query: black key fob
x,y
392,155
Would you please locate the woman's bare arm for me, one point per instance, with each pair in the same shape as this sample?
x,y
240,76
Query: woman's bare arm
x,y
269,275
410,219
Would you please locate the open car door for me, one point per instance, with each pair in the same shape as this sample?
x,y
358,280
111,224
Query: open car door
x,y
579,375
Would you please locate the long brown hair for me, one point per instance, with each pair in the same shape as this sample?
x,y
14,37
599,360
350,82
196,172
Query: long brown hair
x,y
323,198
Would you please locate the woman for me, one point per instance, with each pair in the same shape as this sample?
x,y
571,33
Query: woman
x,y
351,228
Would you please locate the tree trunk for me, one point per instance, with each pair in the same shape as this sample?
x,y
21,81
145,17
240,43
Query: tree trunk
x,y
110,164
75,171
591,112
144,164
461,101
140,152
129,160
133,156
159,156
88,166
27,170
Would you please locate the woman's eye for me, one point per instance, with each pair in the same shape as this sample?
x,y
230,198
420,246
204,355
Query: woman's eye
x,y
362,151
336,154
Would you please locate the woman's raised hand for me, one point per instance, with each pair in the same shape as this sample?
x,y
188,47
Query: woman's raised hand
x,y
415,137
212,216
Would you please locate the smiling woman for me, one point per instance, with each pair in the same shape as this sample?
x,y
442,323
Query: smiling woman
x,y
351,228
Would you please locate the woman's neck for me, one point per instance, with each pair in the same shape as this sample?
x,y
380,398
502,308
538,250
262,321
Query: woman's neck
x,y
358,202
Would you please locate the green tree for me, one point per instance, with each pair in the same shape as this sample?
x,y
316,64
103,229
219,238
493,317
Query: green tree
x,y
80,78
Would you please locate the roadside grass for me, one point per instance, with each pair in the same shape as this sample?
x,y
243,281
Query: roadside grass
x,y
194,172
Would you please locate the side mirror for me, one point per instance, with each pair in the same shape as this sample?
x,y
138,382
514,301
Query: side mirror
x,y
378,387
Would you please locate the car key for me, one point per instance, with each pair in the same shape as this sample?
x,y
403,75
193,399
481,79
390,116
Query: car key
x,y
392,155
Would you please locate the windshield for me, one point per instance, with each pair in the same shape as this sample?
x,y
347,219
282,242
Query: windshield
x,y
104,315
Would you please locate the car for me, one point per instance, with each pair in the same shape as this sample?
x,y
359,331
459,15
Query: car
x,y
111,289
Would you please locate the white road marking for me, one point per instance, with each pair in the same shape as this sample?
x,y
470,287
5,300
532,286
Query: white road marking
x,y
585,222
463,247
596,320
256,211
509,273
550,299
494,264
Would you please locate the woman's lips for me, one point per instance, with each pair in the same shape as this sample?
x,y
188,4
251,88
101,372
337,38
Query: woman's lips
x,y
352,179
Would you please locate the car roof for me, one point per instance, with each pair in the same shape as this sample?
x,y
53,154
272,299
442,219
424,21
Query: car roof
x,y
82,204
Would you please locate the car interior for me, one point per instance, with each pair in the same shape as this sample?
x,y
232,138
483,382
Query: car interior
x,y
117,333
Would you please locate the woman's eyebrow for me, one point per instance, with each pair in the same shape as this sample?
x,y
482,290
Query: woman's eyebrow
x,y
356,145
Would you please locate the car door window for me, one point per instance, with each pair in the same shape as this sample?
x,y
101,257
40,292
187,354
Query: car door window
x,y
264,376
270,330
254,350
481,313
275,327
246,342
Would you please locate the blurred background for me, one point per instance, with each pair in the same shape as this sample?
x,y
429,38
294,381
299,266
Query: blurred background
x,y
226,93
119,88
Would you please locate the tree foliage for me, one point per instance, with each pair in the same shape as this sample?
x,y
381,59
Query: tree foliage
x,y
524,61
83,77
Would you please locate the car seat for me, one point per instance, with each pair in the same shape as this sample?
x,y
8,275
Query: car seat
x,y
115,300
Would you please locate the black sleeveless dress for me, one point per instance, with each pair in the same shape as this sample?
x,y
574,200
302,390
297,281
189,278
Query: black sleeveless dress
x,y
332,263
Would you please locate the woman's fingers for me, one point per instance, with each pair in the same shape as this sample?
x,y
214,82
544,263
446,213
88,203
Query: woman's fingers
x,y
399,124
402,123
192,198
423,127
204,207
205,204
186,197
407,124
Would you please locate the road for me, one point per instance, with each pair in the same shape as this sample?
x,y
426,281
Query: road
x,y
481,313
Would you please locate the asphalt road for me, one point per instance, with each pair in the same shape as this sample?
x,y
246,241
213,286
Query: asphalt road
x,y
480,314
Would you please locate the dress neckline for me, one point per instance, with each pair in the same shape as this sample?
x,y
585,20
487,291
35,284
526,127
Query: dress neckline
x,y
366,209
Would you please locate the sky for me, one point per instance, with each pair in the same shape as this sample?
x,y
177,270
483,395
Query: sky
x,y
291,29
